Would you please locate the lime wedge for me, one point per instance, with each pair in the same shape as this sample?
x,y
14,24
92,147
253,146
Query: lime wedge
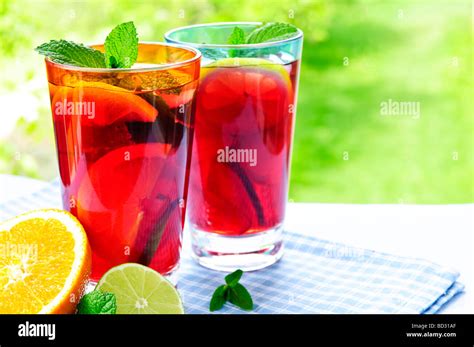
x,y
141,290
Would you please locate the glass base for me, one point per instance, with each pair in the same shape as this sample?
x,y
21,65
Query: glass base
x,y
229,253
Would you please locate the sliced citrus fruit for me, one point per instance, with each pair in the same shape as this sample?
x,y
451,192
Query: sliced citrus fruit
x,y
114,196
141,290
240,87
101,104
45,262
250,62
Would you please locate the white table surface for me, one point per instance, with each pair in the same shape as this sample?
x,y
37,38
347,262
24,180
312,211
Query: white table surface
x,y
441,233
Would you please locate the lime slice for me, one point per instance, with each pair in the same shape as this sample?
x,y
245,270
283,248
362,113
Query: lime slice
x,y
141,290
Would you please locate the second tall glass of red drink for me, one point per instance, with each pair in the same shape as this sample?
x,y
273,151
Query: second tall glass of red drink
x,y
245,116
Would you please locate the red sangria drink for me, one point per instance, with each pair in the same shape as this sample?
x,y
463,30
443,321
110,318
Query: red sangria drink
x,y
124,142
245,117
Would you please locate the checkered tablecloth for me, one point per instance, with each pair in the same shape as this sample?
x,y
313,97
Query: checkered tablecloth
x,y
314,276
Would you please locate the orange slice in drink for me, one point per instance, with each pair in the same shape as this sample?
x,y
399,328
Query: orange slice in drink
x,y
98,103
112,197
45,262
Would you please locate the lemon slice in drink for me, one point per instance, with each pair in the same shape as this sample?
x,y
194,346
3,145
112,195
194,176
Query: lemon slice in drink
x,y
141,290
259,63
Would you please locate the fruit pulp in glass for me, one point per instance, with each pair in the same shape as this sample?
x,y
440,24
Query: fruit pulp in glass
x,y
241,154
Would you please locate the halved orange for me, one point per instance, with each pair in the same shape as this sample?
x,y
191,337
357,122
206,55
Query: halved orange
x,y
45,261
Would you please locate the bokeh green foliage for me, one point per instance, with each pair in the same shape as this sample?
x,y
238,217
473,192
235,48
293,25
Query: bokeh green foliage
x,y
356,55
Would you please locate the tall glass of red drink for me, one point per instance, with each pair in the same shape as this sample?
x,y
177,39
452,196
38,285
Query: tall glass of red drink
x,y
123,139
245,116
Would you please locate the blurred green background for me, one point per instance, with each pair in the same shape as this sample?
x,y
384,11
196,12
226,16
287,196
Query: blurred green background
x,y
357,55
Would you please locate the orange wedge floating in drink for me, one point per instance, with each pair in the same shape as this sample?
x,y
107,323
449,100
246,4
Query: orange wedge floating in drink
x,y
101,104
44,264
115,208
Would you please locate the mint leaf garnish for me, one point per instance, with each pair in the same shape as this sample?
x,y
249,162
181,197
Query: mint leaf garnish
x,y
121,50
237,37
233,278
271,32
97,302
233,291
264,33
71,53
121,46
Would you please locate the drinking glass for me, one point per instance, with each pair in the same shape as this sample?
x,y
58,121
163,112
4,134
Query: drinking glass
x,y
123,140
245,115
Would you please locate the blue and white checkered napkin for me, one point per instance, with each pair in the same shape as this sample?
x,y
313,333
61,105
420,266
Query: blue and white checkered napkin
x,y
314,276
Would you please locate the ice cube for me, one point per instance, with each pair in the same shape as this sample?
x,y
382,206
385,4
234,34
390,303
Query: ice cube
x,y
281,58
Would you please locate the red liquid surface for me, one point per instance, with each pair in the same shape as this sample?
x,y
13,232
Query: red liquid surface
x,y
124,171
250,109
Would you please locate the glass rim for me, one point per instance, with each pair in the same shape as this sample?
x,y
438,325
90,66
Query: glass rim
x,y
168,34
158,67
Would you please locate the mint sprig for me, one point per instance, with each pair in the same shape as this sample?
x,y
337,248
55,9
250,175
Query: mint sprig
x,y
121,46
271,32
237,36
97,302
71,53
121,50
232,291
266,32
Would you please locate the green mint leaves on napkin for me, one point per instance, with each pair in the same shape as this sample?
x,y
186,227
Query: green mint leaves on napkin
x,y
232,291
